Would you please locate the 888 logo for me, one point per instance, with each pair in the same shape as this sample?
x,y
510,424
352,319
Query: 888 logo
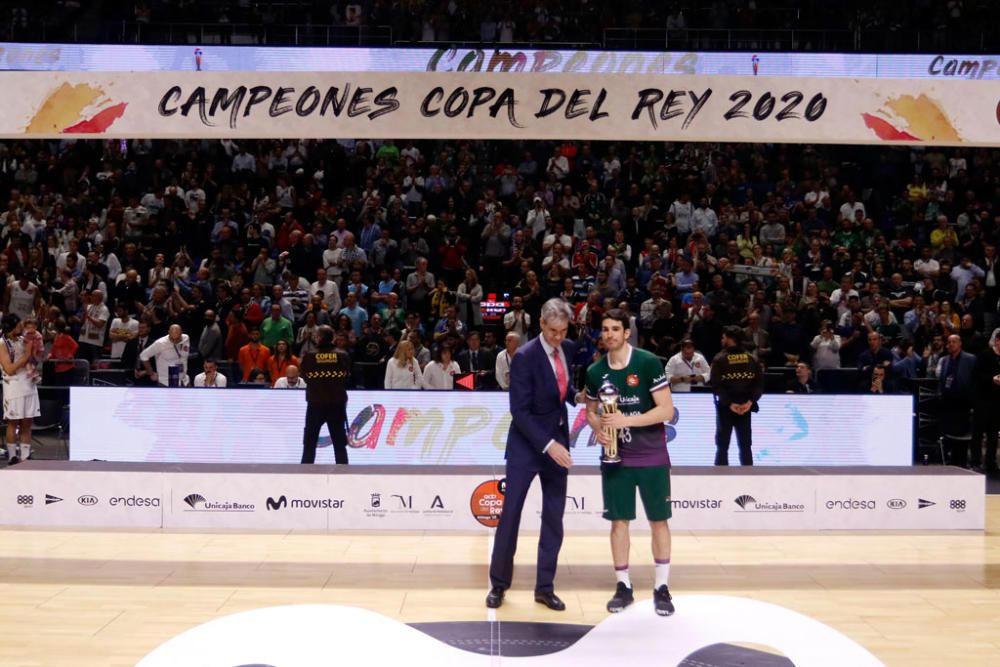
x,y
957,504
25,500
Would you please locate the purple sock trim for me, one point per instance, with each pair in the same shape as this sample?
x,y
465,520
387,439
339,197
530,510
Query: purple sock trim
x,y
621,569
661,562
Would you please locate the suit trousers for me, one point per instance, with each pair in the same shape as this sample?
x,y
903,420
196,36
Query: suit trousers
x,y
335,418
519,479
986,424
725,422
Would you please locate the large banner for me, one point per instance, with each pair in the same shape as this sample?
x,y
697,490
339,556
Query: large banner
x,y
498,106
502,58
159,425
914,498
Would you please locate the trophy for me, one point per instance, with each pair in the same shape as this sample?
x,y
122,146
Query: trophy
x,y
608,396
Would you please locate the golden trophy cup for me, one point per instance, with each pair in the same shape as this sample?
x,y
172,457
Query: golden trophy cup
x,y
608,396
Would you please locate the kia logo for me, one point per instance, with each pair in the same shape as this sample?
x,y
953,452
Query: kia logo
x,y
87,501
896,503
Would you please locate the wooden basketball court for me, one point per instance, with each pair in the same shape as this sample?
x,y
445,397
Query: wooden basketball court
x,y
102,598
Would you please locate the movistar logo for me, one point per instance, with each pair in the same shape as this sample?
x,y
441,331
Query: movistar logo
x,y
273,505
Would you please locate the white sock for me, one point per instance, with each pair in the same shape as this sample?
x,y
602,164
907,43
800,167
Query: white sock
x,y
621,575
662,573
11,451
25,451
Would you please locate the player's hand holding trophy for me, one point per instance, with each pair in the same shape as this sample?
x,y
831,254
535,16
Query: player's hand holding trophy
x,y
608,396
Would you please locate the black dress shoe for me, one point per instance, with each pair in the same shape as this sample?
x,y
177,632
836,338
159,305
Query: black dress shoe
x,y
494,598
550,600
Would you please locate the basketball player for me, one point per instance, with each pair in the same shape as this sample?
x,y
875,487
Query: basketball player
x,y
644,404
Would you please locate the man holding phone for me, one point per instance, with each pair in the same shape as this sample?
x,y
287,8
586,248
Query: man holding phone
x,y
687,368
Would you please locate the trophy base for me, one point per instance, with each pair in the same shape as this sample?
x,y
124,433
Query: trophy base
x,y
611,460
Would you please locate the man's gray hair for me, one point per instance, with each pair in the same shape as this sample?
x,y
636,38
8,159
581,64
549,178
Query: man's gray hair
x,y
556,310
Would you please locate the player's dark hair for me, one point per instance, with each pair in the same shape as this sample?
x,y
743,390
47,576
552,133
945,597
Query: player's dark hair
x,y
618,315
9,323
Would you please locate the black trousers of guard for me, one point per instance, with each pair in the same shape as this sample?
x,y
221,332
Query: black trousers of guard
x,y
725,422
335,418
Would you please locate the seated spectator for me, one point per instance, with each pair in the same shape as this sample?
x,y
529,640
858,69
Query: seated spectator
x,y
210,376
803,382
403,370
440,373
291,379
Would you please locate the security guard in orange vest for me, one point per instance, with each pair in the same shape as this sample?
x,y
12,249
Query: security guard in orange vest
x,y
326,373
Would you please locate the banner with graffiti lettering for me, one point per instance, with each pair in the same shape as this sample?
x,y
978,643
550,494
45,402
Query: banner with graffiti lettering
x,y
158,425
499,106
213,57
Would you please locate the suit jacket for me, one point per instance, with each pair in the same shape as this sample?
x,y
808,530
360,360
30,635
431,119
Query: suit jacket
x,y
538,414
130,355
487,361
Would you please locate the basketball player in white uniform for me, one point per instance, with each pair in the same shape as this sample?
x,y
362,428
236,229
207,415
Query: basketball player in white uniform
x,y
20,394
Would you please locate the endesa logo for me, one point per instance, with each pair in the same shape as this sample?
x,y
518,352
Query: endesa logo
x,y
133,501
486,502
850,505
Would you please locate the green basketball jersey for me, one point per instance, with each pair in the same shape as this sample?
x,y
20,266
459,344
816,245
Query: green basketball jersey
x,y
642,376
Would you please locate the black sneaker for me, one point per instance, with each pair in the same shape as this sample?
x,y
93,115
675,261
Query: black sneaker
x,y
13,461
662,601
623,597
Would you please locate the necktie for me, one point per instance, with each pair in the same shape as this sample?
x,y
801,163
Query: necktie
x,y
475,361
560,373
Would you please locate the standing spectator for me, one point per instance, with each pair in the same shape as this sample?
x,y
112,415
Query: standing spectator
x,y
254,356
957,384
93,329
123,329
210,343
826,347
987,414
418,288
502,366
517,319
275,328
687,368
281,359
171,353
469,297
876,355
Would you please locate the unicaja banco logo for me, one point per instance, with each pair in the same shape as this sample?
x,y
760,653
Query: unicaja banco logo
x,y
194,500
745,500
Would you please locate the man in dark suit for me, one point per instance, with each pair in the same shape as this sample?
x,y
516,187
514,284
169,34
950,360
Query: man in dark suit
x,y
134,371
957,383
474,359
537,444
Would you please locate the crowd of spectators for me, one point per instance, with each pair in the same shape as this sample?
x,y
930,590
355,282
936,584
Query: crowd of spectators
x,y
879,260
955,24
